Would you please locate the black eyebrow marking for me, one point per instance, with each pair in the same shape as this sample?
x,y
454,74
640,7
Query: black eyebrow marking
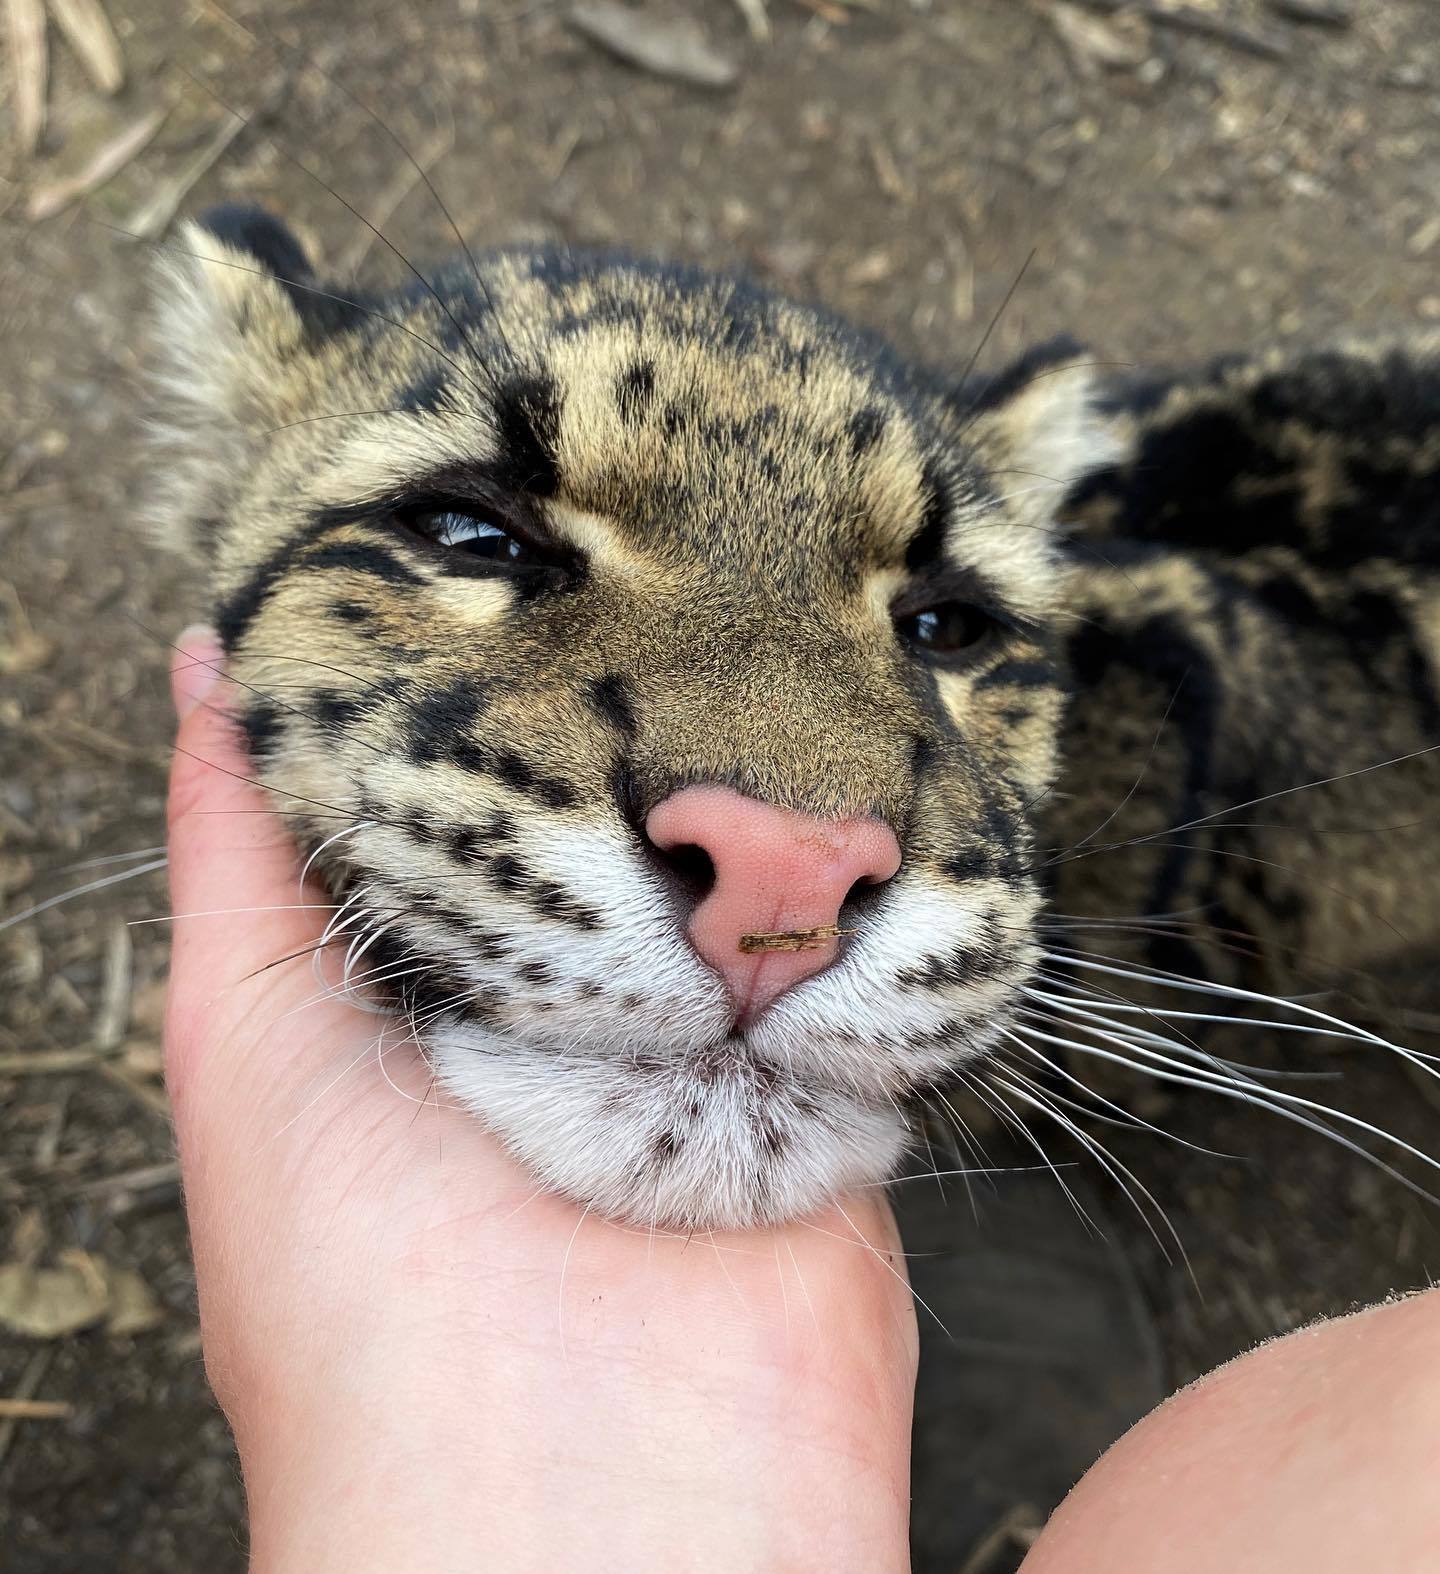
x,y
235,612
527,414
928,542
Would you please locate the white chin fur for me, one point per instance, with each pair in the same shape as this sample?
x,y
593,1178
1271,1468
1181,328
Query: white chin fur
x,y
685,1141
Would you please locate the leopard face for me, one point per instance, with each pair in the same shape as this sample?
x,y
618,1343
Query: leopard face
x,y
508,563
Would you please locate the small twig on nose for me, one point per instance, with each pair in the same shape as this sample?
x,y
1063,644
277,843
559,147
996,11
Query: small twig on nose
x,y
792,939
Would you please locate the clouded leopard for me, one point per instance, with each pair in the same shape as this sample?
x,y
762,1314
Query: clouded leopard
x,y
724,740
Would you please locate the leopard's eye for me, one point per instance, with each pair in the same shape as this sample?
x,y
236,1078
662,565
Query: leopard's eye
x,y
472,534
947,629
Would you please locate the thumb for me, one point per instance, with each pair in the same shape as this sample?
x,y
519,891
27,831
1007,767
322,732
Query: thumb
x,y
234,874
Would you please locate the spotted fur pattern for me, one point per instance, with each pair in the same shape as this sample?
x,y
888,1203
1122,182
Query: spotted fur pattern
x,y
741,494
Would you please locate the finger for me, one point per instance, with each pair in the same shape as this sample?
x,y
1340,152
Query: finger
x,y
234,872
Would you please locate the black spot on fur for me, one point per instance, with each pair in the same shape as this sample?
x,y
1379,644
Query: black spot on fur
x,y
955,969
261,724
629,797
508,873
429,394
351,612
422,830
527,412
613,697
441,719
776,1142
337,712
487,947
635,391
463,844
1022,673
976,862
923,754
555,793
553,901
866,427
535,973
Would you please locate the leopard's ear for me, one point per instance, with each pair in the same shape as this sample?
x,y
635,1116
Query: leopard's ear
x,y
230,299
1040,427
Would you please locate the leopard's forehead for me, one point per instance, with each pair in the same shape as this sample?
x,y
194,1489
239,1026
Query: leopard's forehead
x,y
696,412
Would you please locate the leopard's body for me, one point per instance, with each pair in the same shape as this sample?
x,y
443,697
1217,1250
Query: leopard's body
x,y
1161,598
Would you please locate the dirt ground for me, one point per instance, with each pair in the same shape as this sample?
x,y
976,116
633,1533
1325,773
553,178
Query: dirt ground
x,y
1188,178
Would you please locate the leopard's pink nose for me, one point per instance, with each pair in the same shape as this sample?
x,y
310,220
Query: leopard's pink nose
x,y
775,874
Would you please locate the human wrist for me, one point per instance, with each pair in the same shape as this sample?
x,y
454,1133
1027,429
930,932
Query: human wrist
x,y
693,1419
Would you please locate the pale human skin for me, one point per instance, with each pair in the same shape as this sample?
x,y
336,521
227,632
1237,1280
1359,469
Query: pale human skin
x,y
431,1366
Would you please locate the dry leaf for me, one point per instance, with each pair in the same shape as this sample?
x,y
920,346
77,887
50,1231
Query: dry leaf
x,y
28,1238
133,1309
1094,42
49,200
29,67
153,216
88,31
52,1303
49,1303
669,49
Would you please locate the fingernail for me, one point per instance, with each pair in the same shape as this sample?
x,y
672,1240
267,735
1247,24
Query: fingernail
x,y
198,665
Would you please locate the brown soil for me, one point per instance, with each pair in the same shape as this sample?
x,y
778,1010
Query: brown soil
x,y
899,159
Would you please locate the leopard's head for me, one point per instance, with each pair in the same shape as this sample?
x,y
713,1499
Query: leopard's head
x,y
662,673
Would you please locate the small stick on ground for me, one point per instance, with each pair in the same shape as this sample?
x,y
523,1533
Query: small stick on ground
x,y
88,31
29,69
152,218
113,1016
25,1390
49,200
757,19
35,1410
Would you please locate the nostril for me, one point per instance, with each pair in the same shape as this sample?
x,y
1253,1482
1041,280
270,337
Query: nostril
x,y
688,868
863,897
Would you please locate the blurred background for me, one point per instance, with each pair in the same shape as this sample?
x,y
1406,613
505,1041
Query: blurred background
x,y
1189,178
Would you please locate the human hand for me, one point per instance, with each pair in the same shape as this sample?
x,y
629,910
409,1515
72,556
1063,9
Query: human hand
x,y
428,1363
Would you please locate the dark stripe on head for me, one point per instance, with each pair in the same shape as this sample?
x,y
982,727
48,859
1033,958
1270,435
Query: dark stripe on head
x,y
1020,674
613,697
442,718
429,394
351,612
552,791
261,724
865,427
527,412
635,391
364,557
928,542
236,612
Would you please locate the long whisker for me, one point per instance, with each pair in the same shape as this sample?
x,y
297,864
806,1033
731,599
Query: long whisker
x,y
81,890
